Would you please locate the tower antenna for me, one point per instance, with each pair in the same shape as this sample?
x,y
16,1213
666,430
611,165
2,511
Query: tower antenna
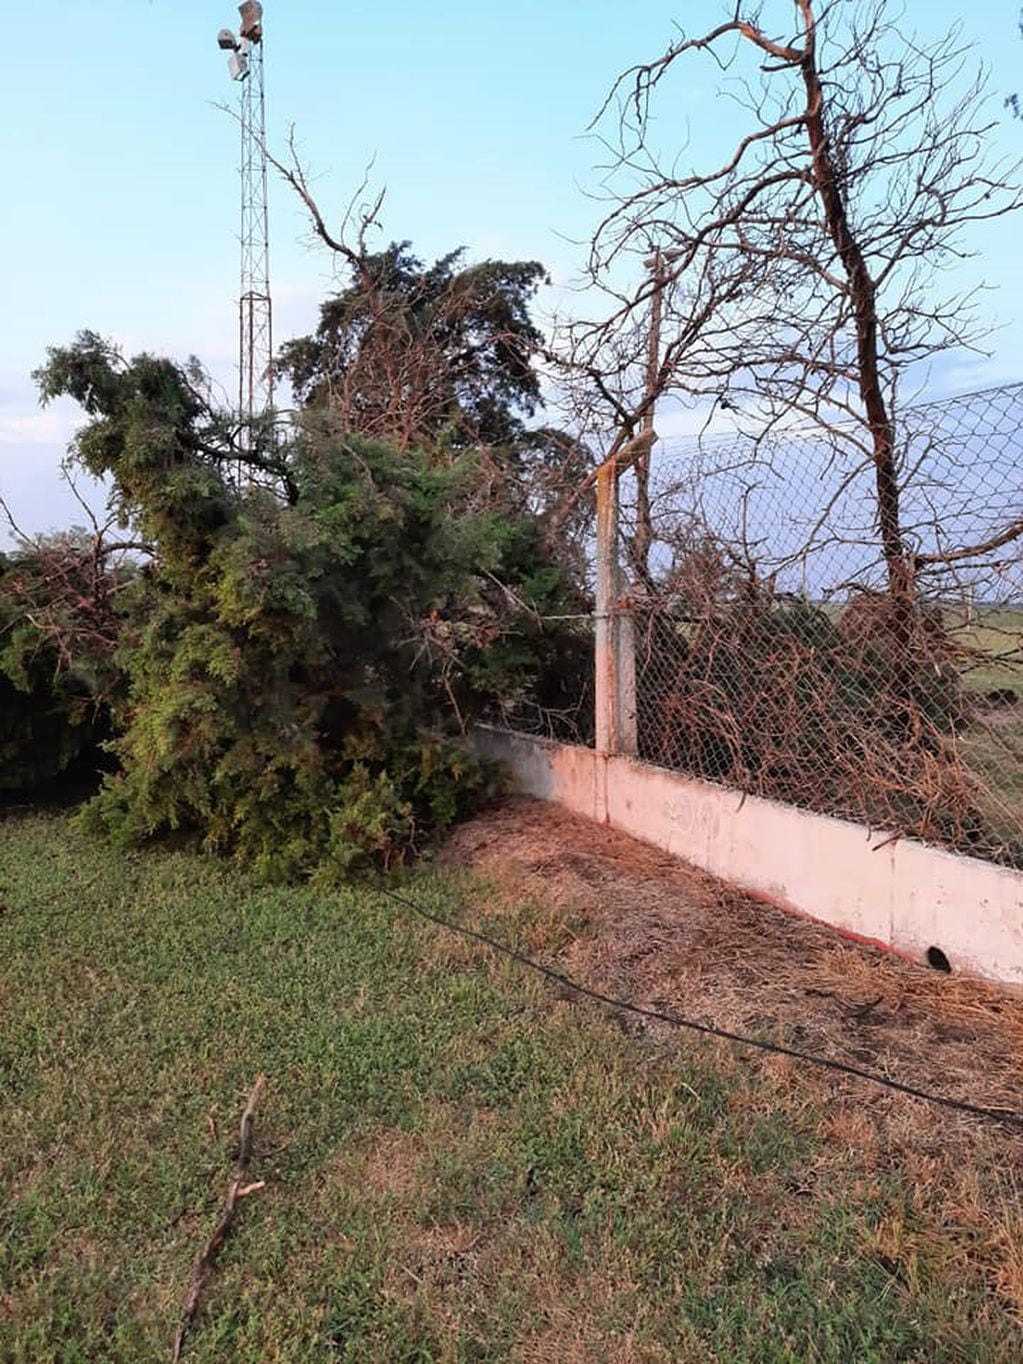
x,y
255,312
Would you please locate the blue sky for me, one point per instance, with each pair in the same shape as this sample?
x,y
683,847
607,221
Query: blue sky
x,y
121,207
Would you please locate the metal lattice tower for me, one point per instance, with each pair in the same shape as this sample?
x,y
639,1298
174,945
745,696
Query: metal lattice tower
x,y
255,312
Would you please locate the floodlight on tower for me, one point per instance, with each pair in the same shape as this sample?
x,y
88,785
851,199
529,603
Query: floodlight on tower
x,y
238,64
255,332
252,20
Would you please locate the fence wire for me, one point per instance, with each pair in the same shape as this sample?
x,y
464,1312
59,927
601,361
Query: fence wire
x,y
774,656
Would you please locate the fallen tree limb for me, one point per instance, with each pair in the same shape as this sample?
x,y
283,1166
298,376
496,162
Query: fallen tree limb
x,y
239,1189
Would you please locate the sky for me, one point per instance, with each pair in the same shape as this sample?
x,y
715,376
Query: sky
x,y
122,191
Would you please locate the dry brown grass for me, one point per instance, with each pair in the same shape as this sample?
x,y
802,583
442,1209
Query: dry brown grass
x,y
644,925
641,925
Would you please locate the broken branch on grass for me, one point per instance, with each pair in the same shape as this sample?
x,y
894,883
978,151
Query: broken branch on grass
x,y
239,1189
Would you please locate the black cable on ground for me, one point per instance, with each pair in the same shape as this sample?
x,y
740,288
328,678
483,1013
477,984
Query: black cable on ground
x,y
1000,1115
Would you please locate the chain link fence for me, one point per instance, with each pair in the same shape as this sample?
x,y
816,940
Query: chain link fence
x,y
774,655
769,649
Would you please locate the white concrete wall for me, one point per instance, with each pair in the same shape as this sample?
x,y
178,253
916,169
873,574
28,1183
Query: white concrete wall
x,y
905,896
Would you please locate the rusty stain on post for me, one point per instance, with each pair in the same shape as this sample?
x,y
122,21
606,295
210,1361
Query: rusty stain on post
x,y
615,665
607,576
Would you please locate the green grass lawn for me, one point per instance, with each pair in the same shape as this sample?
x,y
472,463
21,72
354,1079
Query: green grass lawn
x,y
459,1165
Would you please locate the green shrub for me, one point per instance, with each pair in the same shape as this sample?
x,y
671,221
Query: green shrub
x,y
300,660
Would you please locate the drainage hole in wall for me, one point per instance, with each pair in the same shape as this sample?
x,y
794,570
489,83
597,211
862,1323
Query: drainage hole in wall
x,y
937,959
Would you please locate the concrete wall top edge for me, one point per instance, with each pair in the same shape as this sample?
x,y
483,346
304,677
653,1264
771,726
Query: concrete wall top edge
x,y
881,840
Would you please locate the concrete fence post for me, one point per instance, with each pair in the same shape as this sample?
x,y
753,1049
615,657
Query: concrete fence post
x,y
615,648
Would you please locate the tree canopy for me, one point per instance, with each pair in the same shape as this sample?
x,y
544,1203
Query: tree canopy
x,y
422,354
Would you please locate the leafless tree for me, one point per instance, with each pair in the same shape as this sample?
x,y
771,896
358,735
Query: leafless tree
x,y
801,274
793,630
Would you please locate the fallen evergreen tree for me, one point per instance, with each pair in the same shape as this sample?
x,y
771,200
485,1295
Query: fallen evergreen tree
x,y
314,620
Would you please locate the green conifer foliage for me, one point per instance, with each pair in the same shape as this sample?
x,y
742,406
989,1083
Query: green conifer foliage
x,y
299,658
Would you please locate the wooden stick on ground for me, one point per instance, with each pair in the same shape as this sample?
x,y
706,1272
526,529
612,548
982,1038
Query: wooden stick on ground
x,y
239,1189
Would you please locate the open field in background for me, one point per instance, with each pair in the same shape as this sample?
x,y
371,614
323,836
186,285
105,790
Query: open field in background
x,y
994,631
459,1164
998,633
993,742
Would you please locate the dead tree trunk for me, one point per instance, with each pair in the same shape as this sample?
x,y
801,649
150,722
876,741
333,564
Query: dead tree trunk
x,y
863,294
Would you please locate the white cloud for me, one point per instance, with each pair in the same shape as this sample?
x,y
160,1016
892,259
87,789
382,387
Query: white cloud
x,y
48,427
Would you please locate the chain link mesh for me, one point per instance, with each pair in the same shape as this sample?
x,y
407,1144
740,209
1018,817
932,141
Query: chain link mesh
x,y
773,655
